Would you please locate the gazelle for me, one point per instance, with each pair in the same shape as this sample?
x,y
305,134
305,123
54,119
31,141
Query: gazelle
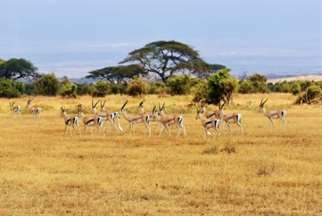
x,y
207,123
228,118
14,108
71,122
273,114
91,121
112,117
34,110
166,121
135,119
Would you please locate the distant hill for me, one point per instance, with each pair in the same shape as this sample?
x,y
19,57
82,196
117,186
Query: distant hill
x,y
292,78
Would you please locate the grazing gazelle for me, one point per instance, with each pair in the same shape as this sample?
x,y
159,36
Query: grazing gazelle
x,y
112,117
71,122
166,121
34,110
273,114
14,108
135,119
207,123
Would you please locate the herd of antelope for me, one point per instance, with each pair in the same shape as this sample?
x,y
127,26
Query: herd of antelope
x,y
100,116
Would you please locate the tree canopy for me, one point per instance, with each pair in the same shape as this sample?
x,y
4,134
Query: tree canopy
x,y
166,58
117,74
15,69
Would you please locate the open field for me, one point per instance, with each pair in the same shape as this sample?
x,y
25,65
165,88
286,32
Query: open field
x,y
272,171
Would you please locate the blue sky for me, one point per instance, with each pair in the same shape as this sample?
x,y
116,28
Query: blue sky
x,y
71,37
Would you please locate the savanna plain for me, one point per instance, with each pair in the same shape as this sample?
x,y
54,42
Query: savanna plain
x,y
260,171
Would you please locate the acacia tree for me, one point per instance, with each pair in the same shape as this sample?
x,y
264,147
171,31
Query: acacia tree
x,y
166,58
17,68
117,74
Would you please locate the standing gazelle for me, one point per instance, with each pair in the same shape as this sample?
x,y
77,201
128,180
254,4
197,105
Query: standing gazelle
x,y
14,108
112,117
34,110
207,123
71,122
166,121
135,119
228,118
273,114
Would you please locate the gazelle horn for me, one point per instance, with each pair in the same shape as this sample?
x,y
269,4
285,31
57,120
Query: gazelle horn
x,y
124,105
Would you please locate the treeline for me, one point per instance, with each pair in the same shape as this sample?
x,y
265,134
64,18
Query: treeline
x,y
161,67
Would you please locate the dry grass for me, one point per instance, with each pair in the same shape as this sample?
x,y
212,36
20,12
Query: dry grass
x,y
269,172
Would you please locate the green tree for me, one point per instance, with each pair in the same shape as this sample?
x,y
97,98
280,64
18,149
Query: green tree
x,y
117,74
245,87
295,88
47,84
17,69
167,58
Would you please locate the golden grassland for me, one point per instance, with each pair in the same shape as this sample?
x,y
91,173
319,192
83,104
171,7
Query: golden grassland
x,y
262,171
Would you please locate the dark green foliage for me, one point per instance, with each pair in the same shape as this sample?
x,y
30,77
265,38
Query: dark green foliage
x,y
166,58
10,89
117,74
157,88
85,89
102,88
17,68
137,87
179,85
47,85
219,87
246,86
295,88
311,95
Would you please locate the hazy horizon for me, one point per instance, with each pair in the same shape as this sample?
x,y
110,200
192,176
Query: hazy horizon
x,y
73,37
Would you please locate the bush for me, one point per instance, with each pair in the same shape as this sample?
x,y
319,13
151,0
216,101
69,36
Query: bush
x,y
200,91
245,87
47,85
68,90
8,88
85,89
179,85
137,87
221,86
118,88
102,88
295,88
313,93
157,88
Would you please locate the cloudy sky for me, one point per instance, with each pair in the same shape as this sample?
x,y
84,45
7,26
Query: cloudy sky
x,y
71,37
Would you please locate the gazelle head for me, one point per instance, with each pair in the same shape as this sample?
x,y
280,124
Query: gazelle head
x,y
63,111
262,104
201,110
94,105
29,102
141,107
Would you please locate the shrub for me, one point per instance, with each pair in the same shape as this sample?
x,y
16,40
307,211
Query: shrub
x,y
137,87
102,88
221,86
47,85
85,89
179,85
245,87
68,90
157,88
8,89
295,88
312,94
118,88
